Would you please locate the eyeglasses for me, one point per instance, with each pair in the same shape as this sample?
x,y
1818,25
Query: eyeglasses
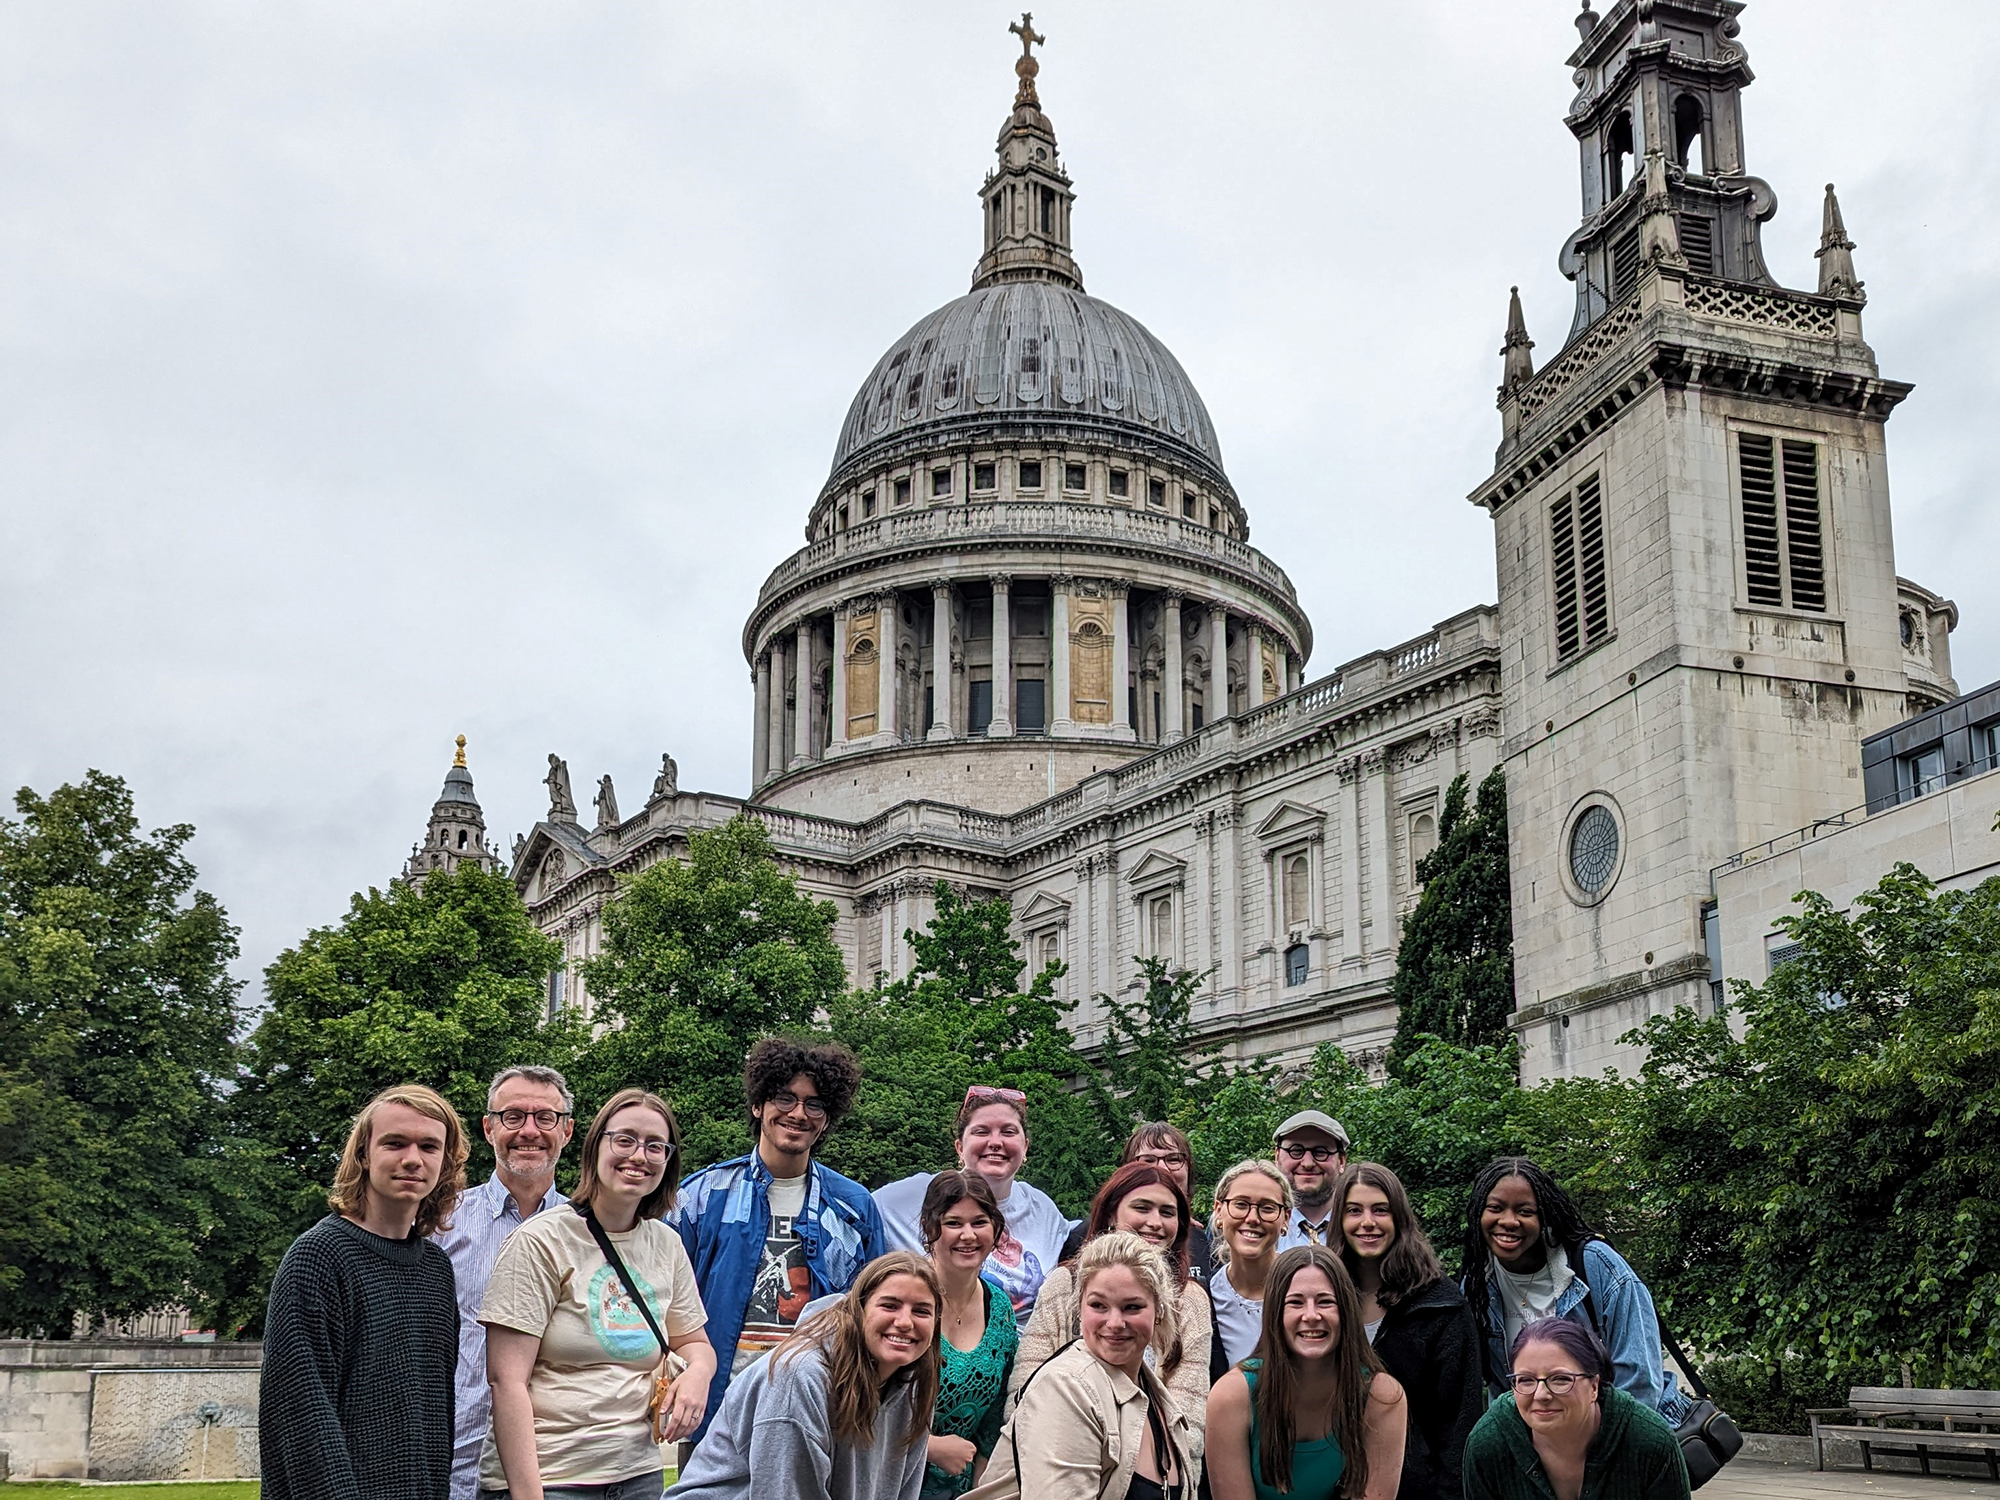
x,y
627,1144
1243,1208
1171,1160
787,1102
1317,1153
514,1119
1560,1384
989,1091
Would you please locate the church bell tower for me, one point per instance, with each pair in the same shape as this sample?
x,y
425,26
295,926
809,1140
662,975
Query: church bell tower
x,y
1690,502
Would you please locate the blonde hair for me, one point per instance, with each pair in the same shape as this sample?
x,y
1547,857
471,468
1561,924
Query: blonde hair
x,y
349,1194
1122,1248
1218,1248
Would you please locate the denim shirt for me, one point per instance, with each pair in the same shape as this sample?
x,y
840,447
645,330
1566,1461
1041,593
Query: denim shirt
x,y
1625,1320
722,1216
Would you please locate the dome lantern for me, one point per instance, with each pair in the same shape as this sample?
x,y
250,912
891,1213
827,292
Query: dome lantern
x,y
1026,201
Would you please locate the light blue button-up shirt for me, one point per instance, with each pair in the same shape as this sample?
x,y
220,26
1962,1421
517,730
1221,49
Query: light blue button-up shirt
x,y
486,1215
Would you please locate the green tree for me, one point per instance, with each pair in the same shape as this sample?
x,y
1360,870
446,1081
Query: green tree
x,y
117,1024
441,982
1455,965
700,958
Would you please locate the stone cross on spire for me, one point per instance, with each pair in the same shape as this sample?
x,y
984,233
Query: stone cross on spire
x,y
1025,65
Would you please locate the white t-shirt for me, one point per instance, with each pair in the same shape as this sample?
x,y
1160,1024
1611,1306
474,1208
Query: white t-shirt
x,y
1523,1299
784,1280
1239,1321
1019,1264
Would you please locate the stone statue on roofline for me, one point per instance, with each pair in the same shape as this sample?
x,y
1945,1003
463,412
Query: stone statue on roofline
x,y
562,806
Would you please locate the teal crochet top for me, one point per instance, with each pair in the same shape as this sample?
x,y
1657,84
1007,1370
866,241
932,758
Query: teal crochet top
x,y
972,1392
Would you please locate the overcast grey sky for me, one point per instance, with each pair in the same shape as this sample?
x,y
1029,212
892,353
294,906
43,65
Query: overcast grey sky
x,y
372,373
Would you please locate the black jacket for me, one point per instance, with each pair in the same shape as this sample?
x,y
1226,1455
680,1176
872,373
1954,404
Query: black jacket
x,y
1428,1342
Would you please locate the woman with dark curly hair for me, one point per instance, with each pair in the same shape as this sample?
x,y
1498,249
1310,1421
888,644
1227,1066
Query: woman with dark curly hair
x,y
770,1231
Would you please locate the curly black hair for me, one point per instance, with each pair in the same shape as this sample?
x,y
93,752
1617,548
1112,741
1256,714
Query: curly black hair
x,y
1562,1224
774,1061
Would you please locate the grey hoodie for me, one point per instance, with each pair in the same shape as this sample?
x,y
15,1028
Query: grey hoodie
x,y
772,1439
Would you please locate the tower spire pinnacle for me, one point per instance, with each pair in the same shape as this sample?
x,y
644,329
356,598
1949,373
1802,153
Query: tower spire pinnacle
x,y
1025,65
1520,365
1028,197
1836,254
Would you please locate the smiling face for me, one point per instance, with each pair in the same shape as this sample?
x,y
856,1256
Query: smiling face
x,y
1511,1221
527,1152
632,1153
994,1143
1542,1408
405,1157
787,1122
1366,1221
898,1322
1311,1159
1312,1315
1151,1213
965,1237
1251,1215
1117,1317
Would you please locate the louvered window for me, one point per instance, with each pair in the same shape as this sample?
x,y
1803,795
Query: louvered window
x,y
1624,264
1784,552
1576,561
1698,243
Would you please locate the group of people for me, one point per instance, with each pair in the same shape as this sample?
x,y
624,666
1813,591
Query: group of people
x,y
777,1330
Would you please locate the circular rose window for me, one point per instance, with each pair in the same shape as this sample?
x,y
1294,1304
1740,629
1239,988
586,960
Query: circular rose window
x,y
1593,850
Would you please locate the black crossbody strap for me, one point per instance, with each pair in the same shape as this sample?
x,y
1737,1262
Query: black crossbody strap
x,y
1680,1358
1013,1427
618,1268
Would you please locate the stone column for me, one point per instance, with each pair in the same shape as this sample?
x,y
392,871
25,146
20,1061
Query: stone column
x,y
1121,663
836,727
1383,933
1229,938
940,660
760,723
1253,664
1171,710
1003,660
889,625
1059,655
1350,858
1218,663
802,723
776,751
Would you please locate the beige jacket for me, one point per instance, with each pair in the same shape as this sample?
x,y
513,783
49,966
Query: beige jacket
x,y
1055,1322
1078,1430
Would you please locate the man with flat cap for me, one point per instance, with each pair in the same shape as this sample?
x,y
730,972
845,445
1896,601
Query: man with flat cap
x,y
1312,1153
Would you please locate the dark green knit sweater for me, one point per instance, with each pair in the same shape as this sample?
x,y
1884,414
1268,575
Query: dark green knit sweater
x,y
1634,1456
360,1348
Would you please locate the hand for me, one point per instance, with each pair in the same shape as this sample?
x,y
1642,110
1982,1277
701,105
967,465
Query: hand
x,y
952,1454
687,1401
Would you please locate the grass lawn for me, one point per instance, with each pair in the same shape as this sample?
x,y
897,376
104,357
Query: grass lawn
x,y
226,1489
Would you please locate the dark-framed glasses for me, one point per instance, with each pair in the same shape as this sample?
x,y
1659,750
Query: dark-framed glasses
x,y
787,1101
1171,1161
627,1144
1318,1153
1560,1384
1243,1208
514,1119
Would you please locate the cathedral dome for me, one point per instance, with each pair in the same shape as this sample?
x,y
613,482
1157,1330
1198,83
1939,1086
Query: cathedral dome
x,y
1037,354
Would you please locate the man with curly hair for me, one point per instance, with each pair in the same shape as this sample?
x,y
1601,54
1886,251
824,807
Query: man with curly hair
x,y
770,1231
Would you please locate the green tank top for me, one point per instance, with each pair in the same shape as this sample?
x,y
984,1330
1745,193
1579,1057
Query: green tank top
x,y
1316,1466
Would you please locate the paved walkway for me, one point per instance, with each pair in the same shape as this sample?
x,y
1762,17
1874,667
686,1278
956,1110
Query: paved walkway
x,y
1744,1480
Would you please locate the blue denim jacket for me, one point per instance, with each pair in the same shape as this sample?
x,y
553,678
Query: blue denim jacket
x,y
1625,1320
722,1214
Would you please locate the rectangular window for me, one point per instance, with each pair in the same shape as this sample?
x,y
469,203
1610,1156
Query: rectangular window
x,y
1298,963
1031,474
1214,519
1028,710
1188,506
1576,570
867,504
843,518
1074,477
984,477
1156,492
1121,482
930,707
978,706
903,490
1784,556
1031,616
1923,772
1711,942
1194,717
940,481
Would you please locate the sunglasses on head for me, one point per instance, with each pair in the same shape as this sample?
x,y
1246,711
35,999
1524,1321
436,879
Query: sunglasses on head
x,y
988,1091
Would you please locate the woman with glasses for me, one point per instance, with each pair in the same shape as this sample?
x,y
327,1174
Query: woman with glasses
x,y
1569,1431
991,1137
1418,1324
1158,1144
1251,1204
576,1312
1528,1256
1308,1416
1142,1201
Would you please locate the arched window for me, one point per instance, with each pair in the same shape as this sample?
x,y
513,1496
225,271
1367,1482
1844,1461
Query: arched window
x,y
1617,152
1297,889
1688,149
1160,922
461,838
1423,839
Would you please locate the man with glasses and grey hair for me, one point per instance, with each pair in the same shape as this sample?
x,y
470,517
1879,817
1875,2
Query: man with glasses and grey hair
x,y
528,1120
1312,1152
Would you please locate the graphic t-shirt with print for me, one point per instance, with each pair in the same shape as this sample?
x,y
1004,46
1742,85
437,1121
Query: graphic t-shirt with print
x,y
594,1373
784,1282
1019,1264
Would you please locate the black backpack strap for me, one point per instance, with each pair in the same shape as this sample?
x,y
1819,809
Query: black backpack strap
x,y
1699,1386
618,1269
1014,1426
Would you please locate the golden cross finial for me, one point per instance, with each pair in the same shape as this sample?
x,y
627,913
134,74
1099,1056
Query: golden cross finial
x,y
1025,65
458,760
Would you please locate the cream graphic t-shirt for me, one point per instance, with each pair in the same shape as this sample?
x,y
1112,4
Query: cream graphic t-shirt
x,y
594,1374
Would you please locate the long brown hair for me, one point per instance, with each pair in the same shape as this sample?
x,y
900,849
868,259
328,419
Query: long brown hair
x,y
349,1194
852,1396
1411,1263
656,1203
947,1190
1278,1379
1123,1183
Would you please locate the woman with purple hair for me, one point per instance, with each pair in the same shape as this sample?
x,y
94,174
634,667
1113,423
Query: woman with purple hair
x,y
1569,1431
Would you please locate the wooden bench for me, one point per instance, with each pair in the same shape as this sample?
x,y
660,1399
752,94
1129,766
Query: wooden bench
x,y
1928,1425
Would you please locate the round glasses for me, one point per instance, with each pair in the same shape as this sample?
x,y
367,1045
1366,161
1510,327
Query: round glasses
x,y
627,1144
514,1119
1560,1384
1243,1208
1317,1153
786,1101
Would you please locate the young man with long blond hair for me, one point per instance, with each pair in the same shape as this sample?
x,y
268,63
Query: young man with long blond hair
x,y
361,1338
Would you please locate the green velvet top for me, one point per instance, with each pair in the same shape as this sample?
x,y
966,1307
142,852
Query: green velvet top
x,y
1635,1455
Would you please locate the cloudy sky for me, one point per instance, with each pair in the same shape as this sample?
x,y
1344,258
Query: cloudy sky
x,y
373,373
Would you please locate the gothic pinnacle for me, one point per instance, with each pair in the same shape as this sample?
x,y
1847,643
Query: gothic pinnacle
x,y
1520,366
1836,255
